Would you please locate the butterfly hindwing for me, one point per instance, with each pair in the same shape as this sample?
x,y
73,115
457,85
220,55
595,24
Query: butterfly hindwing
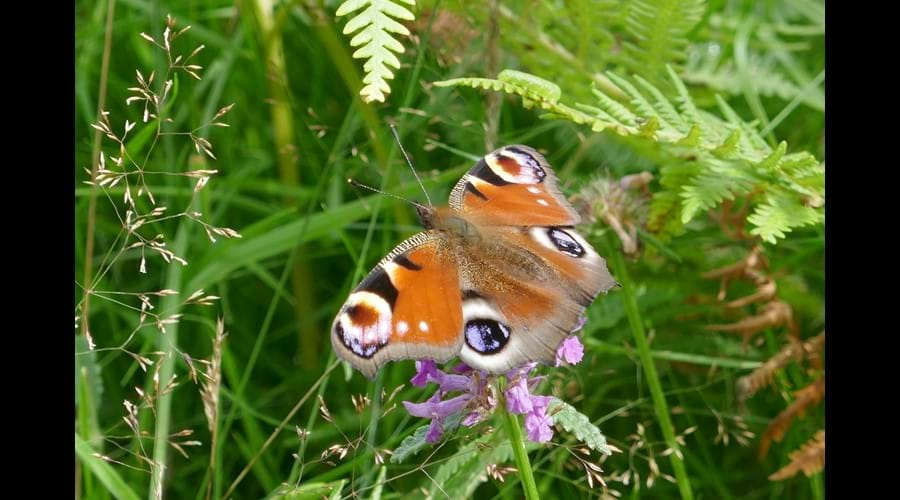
x,y
408,307
523,323
513,186
541,281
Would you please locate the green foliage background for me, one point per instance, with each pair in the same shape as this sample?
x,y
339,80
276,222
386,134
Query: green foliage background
x,y
719,100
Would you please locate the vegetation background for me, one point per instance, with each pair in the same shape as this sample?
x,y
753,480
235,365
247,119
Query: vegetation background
x,y
705,370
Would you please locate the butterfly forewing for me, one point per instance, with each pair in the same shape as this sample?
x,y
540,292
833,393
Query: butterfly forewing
x,y
513,186
408,307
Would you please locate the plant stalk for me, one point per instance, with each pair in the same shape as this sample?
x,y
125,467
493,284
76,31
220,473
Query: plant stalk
x,y
514,432
656,392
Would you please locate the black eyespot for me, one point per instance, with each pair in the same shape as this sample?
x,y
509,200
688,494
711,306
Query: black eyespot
x,y
486,336
565,242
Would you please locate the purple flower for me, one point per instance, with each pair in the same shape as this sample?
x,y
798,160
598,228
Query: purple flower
x,y
475,417
478,398
484,400
462,368
537,423
435,408
570,350
437,411
518,399
435,430
423,369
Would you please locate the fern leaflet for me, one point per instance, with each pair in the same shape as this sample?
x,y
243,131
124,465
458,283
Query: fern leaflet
x,y
374,25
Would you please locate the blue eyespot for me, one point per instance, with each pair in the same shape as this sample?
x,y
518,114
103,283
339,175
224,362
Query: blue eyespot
x,y
486,336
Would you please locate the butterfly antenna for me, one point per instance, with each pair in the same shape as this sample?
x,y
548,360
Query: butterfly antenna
x,y
355,183
410,163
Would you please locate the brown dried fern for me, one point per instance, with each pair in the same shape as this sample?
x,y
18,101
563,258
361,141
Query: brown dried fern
x,y
750,268
793,351
810,458
804,398
772,314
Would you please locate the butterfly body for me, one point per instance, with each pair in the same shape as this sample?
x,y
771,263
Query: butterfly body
x,y
499,277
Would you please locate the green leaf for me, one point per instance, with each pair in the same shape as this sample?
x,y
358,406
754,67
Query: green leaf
x,y
306,491
779,214
774,158
379,483
414,443
86,364
374,25
338,488
410,445
88,392
572,420
719,73
730,145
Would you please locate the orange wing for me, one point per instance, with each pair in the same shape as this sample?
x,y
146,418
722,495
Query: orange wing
x,y
408,307
513,186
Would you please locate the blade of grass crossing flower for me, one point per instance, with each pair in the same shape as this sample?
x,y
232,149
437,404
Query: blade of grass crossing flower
x,y
516,440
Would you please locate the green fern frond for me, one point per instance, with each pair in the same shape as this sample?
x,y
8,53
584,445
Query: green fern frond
x,y
708,159
374,24
708,190
719,180
682,125
779,213
659,30
572,420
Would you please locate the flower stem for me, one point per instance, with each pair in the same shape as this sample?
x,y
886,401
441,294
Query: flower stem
x,y
514,432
